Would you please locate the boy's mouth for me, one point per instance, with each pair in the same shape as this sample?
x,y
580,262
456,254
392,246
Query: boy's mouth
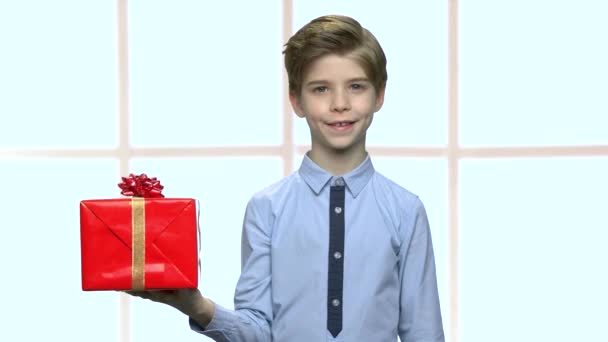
x,y
341,123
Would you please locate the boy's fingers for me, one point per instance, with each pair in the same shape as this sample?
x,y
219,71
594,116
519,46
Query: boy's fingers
x,y
155,295
142,294
146,294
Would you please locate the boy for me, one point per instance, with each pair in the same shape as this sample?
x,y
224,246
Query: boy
x,y
335,251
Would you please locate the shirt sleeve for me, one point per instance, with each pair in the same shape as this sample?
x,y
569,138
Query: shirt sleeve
x,y
251,319
420,314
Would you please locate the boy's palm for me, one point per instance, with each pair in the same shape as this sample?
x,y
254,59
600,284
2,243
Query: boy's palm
x,y
188,301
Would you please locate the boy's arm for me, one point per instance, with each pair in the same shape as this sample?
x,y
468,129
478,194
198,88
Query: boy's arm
x,y
420,315
251,319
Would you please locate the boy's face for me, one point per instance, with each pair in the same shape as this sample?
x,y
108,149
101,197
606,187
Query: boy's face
x,y
338,101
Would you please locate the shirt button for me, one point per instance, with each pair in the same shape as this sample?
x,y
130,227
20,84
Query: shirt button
x,y
337,255
340,181
335,302
337,210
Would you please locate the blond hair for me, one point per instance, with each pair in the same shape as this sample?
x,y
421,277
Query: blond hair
x,y
334,34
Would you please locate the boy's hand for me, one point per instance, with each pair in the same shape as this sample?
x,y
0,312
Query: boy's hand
x,y
189,301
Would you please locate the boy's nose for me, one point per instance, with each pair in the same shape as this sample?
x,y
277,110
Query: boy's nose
x,y
340,102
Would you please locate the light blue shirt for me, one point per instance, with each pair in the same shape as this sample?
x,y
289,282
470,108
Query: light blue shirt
x,y
390,284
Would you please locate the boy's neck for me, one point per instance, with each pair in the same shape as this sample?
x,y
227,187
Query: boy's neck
x,y
337,163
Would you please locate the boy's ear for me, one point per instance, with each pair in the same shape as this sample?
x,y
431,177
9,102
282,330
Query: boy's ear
x,y
295,104
380,98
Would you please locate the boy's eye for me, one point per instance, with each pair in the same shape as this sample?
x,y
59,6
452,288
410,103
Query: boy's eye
x,y
357,86
320,89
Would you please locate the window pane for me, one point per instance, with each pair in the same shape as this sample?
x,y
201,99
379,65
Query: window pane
x,y
533,72
223,189
532,250
413,35
199,73
58,69
40,251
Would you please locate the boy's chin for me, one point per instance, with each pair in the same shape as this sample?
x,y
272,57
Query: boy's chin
x,y
342,148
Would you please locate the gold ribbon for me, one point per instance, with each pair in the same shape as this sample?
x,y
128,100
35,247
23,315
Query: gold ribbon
x,y
138,243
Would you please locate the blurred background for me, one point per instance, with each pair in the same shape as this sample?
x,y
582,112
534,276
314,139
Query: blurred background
x,y
496,115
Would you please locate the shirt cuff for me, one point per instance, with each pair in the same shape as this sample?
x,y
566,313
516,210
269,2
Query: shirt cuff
x,y
221,324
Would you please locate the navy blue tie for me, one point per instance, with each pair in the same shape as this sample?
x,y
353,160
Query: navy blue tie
x,y
336,259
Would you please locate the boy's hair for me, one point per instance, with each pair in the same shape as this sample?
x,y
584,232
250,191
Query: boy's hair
x,y
334,34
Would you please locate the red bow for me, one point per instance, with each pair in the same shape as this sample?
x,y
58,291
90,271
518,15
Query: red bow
x,y
141,186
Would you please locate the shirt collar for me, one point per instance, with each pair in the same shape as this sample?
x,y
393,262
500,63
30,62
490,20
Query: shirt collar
x,y
317,178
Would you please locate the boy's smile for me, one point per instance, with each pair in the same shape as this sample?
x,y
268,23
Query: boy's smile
x,y
338,101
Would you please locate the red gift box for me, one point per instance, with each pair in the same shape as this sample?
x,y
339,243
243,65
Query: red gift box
x,y
139,243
